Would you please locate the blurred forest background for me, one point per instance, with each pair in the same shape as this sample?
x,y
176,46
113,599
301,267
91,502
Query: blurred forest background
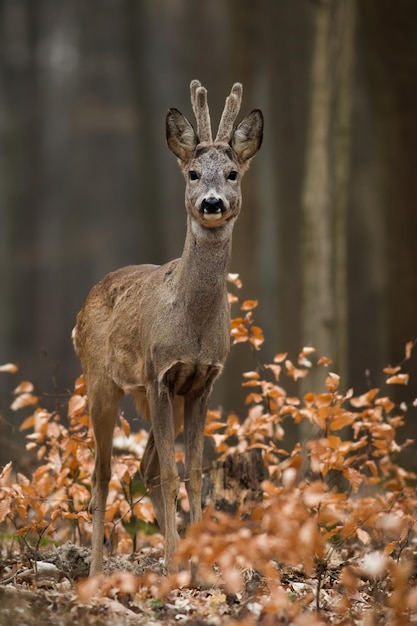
x,y
327,238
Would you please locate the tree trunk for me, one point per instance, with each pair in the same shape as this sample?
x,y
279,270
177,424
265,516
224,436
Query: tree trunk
x,y
324,314
236,481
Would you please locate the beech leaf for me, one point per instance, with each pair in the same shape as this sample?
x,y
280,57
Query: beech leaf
x,y
249,305
11,368
125,426
76,405
25,399
332,382
409,347
24,387
235,280
398,379
324,360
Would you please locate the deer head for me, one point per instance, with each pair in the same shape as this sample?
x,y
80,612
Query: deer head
x,y
213,169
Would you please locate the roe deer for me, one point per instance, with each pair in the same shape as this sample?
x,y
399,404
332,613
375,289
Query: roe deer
x,y
162,333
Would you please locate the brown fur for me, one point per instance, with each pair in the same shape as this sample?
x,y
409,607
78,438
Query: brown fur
x,y
161,333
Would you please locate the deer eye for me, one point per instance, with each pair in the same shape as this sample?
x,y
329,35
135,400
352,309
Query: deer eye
x,y
232,175
192,175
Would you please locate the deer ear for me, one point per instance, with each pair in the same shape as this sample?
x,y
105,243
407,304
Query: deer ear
x,y
181,137
247,138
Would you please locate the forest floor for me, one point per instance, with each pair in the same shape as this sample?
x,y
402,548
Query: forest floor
x,y
54,590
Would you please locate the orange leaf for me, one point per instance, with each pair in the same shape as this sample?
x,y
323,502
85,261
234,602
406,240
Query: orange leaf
x,y
9,367
386,403
24,387
390,547
238,330
235,280
252,383
365,399
354,477
249,305
25,399
363,536
280,357
29,422
399,379
5,508
323,360
334,442
332,382
345,419
76,405
125,426
79,387
408,348
144,511
391,370
251,375
275,369
212,426
5,473
306,351
294,372
253,397
256,337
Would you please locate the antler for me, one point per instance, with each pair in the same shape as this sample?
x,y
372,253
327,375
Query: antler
x,y
230,113
201,111
202,114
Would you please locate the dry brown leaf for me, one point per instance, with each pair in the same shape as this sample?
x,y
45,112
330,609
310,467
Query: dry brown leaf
x,y
332,382
11,368
256,337
294,372
76,405
391,370
275,369
125,426
249,305
24,387
399,379
235,280
365,399
324,360
251,375
25,399
409,347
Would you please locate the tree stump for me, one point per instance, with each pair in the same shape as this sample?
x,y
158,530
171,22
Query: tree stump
x,y
236,481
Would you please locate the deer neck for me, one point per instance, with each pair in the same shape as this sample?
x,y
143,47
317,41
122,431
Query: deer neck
x,y
202,269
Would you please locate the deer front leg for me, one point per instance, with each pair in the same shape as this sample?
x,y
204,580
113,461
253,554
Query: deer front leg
x,y
103,417
163,428
195,412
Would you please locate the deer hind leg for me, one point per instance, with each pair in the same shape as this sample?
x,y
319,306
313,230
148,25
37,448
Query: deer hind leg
x,y
151,474
103,410
195,412
194,424
159,469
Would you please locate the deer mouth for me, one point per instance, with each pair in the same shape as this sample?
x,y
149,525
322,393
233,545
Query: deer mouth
x,y
212,208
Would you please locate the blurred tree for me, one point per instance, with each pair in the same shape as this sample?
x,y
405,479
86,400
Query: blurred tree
x,y
386,306
87,184
324,196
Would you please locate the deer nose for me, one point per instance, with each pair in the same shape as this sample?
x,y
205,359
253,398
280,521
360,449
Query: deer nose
x,y
212,205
